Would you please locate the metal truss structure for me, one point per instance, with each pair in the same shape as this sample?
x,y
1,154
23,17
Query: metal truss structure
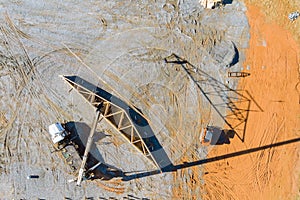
x,y
115,112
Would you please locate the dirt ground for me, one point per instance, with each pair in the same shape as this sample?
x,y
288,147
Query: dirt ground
x,y
123,45
273,61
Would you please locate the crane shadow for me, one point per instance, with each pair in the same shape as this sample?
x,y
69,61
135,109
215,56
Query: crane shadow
x,y
81,130
220,96
209,160
77,139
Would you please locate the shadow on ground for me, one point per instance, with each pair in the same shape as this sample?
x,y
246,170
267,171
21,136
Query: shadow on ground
x,y
227,2
208,160
125,119
220,96
95,167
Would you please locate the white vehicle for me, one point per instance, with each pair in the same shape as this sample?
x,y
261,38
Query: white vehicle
x,y
206,136
57,132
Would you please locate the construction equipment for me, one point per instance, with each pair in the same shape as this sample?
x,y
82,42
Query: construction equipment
x,y
212,135
57,132
75,152
88,145
124,119
205,136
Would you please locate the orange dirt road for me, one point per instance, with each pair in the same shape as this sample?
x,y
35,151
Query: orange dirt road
x,y
271,173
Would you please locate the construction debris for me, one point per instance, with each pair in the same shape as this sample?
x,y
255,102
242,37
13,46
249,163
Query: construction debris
x,y
294,15
238,74
33,176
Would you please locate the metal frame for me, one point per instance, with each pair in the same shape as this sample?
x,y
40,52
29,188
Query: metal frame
x,y
116,117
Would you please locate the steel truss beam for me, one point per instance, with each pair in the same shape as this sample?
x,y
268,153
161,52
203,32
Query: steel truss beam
x,y
116,116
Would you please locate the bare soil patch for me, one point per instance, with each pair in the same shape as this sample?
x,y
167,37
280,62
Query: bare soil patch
x,y
268,173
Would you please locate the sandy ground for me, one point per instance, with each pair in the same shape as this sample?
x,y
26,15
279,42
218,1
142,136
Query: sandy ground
x,y
123,44
273,172
278,11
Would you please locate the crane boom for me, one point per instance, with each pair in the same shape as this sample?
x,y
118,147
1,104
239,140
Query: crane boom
x,y
88,146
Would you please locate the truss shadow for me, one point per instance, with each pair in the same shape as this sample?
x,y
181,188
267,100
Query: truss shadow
x,y
124,119
220,96
73,151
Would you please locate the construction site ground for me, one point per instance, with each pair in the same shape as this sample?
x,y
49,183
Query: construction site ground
x,y
273,60
126,48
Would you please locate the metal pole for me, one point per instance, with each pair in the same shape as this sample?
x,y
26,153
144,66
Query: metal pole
x,y
88,146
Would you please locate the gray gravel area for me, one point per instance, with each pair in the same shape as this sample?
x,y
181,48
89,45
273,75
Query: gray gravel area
x,y
121,46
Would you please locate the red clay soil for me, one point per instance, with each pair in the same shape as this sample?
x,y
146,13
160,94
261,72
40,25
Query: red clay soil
x,y
272,173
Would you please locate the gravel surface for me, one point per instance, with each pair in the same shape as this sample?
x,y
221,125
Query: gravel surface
x,y
121,47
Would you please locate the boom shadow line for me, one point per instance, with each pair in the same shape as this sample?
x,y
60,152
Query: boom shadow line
x,y
208,160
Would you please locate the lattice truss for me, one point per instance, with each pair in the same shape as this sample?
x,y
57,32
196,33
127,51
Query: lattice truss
x,y
219,96
113,114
